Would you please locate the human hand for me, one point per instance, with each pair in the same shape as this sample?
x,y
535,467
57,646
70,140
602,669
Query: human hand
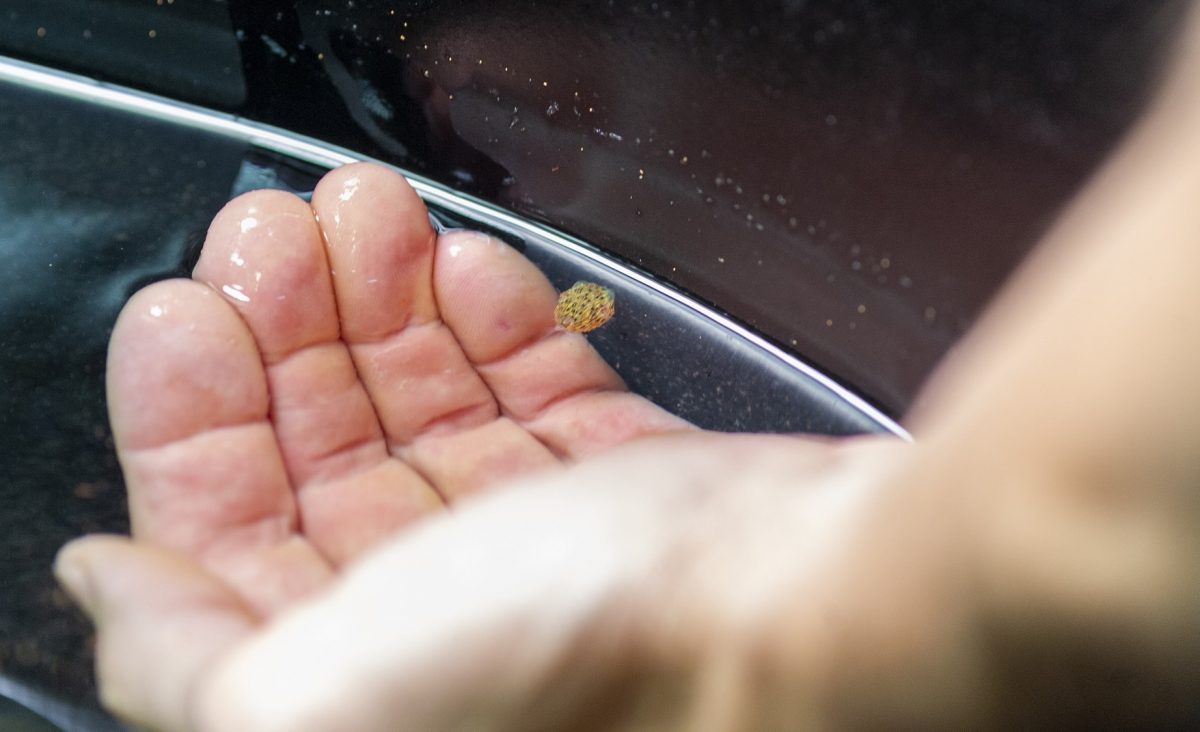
x,y
688,580
289,426
694,582
361,387
333,382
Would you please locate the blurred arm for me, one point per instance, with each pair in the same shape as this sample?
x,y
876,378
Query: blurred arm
x,y
1070,419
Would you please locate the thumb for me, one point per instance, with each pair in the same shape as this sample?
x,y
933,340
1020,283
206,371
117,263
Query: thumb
x,y
161,621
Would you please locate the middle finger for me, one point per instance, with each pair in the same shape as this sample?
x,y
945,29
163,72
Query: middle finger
x,y
436,411
264,254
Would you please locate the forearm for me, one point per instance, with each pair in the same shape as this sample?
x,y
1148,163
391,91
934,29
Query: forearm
x,y
1091,354
1066,428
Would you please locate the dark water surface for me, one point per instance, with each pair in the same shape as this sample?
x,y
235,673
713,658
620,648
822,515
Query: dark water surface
x,y
94,205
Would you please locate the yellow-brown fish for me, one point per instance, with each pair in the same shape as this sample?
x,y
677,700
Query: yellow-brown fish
x,y
584,307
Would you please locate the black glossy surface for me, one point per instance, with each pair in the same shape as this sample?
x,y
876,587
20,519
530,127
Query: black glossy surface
x,y
16,718
187,50
854,178
97,204
94,205
685,363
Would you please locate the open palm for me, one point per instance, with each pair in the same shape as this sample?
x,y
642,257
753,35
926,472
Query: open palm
x,y
335,372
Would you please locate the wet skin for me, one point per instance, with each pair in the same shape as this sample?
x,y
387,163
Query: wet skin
x,y
306,410
332,374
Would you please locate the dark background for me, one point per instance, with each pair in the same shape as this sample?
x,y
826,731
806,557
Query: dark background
x,y
853,179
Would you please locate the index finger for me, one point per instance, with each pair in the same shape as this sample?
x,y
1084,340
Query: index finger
x,y
188,402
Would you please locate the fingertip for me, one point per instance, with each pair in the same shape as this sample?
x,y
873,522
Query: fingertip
x,y
156,393
270,216
379,243
74,563
350,178
353,196
268,201
160,621
88,546
494,299
160,302
265,255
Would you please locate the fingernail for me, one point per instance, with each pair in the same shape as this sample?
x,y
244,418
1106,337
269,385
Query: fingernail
x,y
74,574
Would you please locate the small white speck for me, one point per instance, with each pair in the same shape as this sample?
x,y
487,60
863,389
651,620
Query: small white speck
x,y
249,223
236,257
455,250
351,187
156,311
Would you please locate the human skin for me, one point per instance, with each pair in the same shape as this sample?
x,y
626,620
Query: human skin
x,y
289,448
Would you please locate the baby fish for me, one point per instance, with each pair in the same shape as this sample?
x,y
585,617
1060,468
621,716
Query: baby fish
x,y
584,307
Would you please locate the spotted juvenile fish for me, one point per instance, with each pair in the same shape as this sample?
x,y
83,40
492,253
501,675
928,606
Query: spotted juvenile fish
x,y
584,307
